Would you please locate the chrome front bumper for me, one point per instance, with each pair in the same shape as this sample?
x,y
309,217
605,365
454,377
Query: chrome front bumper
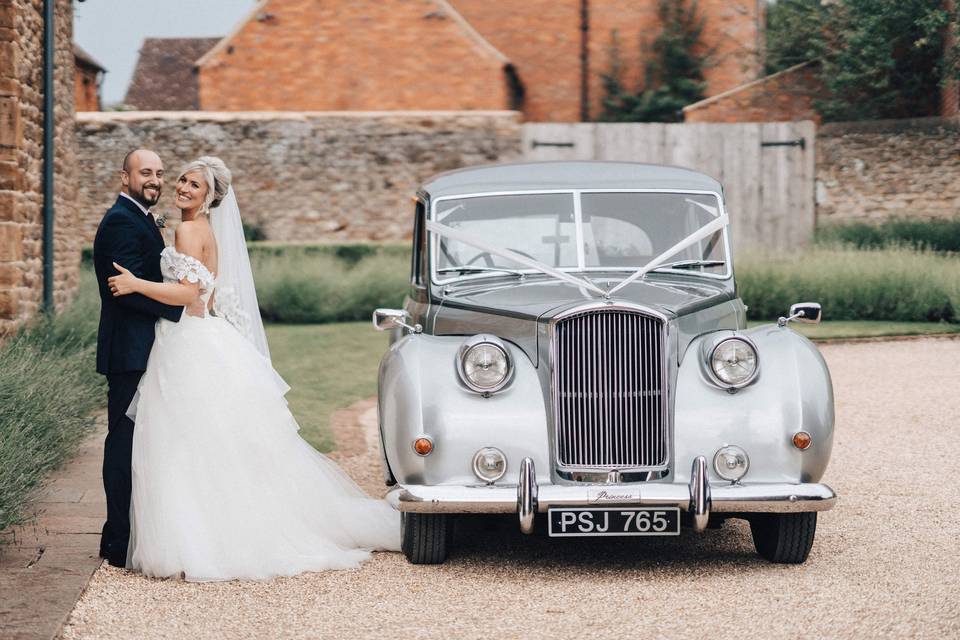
x,y
699,497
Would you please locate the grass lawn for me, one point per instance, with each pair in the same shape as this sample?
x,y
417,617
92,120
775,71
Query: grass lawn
x,y
328,366
836,329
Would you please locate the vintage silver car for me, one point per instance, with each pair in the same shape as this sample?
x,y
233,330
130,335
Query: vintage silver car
x,y
573,354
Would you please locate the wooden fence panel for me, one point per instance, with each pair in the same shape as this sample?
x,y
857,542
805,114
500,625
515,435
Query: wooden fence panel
x,y
766,169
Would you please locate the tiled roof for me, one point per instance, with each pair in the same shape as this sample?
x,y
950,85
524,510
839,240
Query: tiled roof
x,y
164,78
85,58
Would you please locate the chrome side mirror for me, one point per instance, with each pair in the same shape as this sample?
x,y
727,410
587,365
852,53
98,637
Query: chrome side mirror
x,y
805,312
387,319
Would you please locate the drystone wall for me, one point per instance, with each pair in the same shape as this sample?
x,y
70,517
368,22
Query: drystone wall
x,y
301,177
21,161
873,171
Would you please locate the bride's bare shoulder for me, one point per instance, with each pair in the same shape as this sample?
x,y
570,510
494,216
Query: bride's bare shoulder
x,y
191,237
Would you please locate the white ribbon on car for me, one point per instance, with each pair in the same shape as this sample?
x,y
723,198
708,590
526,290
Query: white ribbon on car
x,y
473,241
466,238
707,230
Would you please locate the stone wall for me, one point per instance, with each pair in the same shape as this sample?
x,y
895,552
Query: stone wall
x,y
21,161
892,168
303,177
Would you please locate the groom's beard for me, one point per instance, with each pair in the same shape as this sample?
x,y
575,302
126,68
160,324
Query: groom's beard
x,y
148,195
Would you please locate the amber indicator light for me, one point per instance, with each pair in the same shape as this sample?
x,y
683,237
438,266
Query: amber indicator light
x,y
802,440
423,446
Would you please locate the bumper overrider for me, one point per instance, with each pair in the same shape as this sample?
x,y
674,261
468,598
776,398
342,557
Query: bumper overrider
x,y
699,498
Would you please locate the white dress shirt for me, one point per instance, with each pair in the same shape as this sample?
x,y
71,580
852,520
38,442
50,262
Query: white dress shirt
x,y
139,206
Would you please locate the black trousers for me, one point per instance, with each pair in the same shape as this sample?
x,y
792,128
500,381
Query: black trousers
x,y
117,452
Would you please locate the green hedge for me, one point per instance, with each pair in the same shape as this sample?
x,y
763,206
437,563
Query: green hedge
x,y
898,284
934,235
48,391
303,283
306,284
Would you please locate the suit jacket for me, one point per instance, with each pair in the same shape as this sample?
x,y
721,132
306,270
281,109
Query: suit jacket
x,y
129,238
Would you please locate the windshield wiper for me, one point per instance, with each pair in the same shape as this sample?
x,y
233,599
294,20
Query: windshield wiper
x,y
480,270
690,264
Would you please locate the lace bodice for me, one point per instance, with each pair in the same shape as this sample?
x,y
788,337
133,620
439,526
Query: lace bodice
x,y
176,266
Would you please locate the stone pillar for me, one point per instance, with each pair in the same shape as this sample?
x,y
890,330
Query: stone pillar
x,y
21,161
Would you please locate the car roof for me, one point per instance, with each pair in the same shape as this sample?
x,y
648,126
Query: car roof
x,y
586,175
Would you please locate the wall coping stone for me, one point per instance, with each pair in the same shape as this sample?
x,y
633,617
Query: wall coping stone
x,y
229,116
833,129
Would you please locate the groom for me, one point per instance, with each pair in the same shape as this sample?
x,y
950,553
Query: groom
x,y
127,235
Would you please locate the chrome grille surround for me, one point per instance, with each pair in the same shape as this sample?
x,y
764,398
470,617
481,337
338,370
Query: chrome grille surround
x,y
610,410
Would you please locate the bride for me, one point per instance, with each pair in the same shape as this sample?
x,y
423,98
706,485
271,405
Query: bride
x,y
223,485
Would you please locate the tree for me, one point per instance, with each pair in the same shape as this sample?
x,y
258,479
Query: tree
x,y
673,77
878,58
792,28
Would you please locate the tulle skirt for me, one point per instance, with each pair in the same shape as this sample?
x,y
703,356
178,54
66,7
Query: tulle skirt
x,y
223,486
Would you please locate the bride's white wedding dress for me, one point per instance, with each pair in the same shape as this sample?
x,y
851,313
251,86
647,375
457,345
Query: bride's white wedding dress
x,y
223,486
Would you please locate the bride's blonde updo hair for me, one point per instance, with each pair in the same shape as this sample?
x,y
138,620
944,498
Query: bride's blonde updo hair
x,y
217,177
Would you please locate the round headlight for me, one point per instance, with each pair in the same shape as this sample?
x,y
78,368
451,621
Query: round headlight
x,y
489,464
731,463
484,364
734,362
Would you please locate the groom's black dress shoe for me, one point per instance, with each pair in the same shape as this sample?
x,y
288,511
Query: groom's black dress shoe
x,y
117,560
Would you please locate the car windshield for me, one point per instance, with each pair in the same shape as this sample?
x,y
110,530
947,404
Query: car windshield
x,y
618,231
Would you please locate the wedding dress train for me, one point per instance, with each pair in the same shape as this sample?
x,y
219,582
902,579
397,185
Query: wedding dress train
x,y
223,485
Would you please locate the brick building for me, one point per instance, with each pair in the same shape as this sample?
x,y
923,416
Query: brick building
x,y
543,57
87,78
21,161
165,78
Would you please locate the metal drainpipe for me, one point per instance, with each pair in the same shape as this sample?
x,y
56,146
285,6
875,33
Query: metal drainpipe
x,y
49,48
584,60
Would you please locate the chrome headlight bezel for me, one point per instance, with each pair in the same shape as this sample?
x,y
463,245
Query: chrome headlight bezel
x,y
712,374
476,341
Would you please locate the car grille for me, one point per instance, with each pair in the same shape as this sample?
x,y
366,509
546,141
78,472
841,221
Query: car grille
x,y
609,386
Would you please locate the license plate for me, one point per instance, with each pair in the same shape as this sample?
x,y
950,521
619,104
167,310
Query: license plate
x,y
614,521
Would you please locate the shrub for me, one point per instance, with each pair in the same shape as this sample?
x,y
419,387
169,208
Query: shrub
x,y
48,389
897,284
935,235
304,287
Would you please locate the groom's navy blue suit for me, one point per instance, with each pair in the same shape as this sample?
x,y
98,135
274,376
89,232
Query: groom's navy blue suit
x,y
130,238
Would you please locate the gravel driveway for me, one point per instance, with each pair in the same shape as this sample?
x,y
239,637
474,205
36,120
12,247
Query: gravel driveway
x,y
885,562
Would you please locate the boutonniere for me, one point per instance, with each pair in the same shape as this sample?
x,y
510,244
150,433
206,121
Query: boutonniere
x,y
161,220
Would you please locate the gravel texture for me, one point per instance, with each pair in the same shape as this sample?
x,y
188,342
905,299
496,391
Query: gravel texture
x,y
884,564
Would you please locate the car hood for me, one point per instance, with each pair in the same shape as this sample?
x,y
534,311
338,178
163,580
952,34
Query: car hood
x,y
543,299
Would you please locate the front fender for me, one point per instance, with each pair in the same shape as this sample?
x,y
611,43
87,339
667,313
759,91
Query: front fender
x,y
792,392
420,393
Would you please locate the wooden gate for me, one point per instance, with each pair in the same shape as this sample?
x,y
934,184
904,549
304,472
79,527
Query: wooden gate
x,y
766,169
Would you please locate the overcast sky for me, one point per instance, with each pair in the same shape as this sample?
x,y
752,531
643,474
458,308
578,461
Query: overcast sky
x,y
113,30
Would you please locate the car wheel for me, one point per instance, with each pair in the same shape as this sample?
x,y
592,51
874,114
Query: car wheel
x,y
426,537
784,538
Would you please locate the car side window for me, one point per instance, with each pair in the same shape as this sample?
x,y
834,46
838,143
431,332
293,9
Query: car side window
x,y
419,245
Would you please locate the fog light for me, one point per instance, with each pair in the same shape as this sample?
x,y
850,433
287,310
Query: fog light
x,y
489,464
731,463
423,445
802,440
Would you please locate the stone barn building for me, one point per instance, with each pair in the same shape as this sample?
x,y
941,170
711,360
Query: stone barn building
x,y
21,162
542,57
